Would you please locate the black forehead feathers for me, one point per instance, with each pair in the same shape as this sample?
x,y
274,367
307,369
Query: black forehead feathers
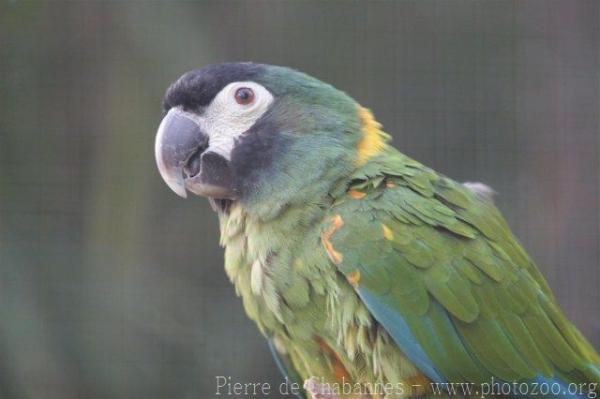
x,y
197,88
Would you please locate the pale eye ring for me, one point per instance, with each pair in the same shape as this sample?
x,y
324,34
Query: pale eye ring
x,y
244,96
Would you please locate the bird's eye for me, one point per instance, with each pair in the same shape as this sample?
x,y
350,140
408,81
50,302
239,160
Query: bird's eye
x,y
244,95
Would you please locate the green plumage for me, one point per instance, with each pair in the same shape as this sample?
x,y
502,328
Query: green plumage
x,y
447,246
361,265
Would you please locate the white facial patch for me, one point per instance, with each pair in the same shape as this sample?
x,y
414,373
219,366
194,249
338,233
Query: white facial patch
x,y
225,119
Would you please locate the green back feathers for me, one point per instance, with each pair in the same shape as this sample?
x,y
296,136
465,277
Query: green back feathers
x,y
339,213
418,240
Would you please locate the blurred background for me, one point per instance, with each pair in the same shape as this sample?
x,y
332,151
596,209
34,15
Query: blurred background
x,y
112,287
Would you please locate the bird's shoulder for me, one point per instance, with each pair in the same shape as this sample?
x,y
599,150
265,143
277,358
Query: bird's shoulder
x,y
434,255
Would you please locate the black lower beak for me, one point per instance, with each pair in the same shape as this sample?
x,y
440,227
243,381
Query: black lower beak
x,y
184,158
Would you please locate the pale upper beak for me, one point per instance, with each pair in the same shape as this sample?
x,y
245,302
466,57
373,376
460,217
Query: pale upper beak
x,y
178,138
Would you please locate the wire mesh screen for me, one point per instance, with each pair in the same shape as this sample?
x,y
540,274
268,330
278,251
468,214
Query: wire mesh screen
x,y
112,287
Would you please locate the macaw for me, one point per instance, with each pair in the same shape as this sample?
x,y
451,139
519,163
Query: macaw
x,y
361,266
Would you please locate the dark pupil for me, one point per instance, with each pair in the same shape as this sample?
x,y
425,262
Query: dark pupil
x,y
244,95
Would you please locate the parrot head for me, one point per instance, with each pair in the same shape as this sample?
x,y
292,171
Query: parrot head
x,y
259,134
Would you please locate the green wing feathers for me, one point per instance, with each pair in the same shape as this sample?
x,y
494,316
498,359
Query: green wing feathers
x,y
445,259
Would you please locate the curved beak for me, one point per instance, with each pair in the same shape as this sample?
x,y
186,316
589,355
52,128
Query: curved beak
x,y
185,160
178,139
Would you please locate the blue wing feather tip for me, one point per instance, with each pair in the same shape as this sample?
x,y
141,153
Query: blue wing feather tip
x,y
558,388
400,332
283,369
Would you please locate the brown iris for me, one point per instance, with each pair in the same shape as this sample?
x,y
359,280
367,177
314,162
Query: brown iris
x,y
244,95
